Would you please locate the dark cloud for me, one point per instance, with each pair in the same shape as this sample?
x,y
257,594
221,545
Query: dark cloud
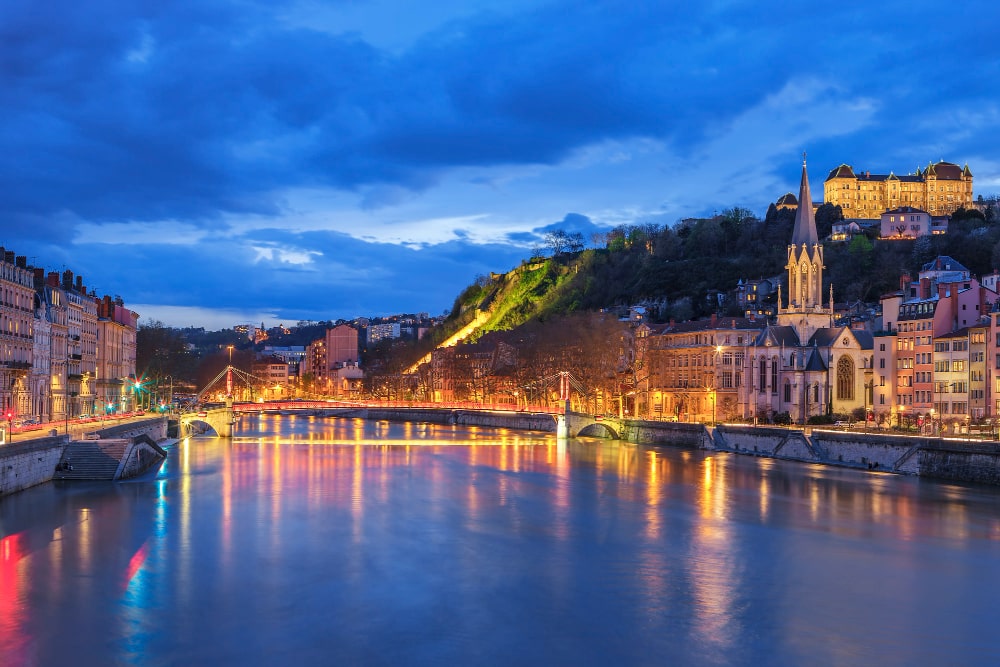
x,y
198,111
148,111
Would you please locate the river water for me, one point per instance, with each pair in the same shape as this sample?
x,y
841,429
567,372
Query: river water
x,y
305,541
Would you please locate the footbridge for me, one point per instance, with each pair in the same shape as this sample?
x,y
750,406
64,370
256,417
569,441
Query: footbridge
x,y
569,424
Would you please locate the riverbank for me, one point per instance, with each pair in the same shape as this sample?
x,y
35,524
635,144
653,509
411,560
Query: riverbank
x,y
114,452
933,457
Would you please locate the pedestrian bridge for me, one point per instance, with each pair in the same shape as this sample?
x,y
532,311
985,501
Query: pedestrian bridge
x,y
571,424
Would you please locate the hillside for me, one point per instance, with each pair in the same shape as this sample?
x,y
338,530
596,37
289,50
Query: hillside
x,y
678,272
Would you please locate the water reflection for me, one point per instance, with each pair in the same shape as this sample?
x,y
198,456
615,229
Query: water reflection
x,y
314,541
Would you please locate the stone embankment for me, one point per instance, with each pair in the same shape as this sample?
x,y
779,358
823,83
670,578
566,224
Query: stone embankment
x,y
942,458
116,452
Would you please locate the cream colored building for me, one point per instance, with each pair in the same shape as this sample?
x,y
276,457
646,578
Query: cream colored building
x,y
938,189
17,315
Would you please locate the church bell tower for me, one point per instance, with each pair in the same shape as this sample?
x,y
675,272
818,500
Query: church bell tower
x,y
805,309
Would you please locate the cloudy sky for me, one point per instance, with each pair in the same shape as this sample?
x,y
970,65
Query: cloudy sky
x,y
219,162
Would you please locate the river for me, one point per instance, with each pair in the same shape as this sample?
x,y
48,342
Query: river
x,y
310,541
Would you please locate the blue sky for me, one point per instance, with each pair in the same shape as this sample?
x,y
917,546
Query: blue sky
x,y
224,162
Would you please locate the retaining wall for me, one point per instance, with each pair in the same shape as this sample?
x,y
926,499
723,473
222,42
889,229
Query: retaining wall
x,y
141,454
23,465
966,462
155,428
665,433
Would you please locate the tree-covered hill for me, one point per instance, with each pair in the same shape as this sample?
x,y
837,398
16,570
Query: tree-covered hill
x,y
679,271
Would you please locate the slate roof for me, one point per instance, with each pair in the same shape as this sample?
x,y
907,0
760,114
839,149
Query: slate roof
x,y
815,362
778,336
943,263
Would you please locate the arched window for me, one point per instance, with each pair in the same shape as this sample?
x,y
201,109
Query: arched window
x,y
845,379
774,375
788,391
763,374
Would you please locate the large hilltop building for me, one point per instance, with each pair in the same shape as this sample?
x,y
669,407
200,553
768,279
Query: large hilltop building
x,y
939,189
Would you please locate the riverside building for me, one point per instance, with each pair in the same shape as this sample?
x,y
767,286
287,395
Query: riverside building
x,y
57,360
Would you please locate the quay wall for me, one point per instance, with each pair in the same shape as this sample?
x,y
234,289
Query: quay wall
x,y
141,453
932,457
924,456
32,462
155,428
962,461
664,433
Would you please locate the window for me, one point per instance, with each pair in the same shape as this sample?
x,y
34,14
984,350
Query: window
x,y
763,373
774,375
788,391
845,379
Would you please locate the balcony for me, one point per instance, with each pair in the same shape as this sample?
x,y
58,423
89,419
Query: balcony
x,y
15,365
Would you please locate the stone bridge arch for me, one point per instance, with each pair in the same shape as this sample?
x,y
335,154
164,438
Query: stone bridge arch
x,y
580,424
220,420
599,430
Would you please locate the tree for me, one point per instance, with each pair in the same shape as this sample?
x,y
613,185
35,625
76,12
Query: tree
x,y
161,350
826,216
557,241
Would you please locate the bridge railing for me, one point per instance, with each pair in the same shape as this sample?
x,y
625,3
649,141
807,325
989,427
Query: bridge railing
x,y
448,405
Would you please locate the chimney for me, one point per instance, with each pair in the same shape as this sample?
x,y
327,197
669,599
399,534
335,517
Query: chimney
x,y
22,261
67,279
39,275
714,320
925,288
53,279
79,285
904,281
8,256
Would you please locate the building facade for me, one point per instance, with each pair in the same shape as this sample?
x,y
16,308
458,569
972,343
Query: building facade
x,y
17,317
938,189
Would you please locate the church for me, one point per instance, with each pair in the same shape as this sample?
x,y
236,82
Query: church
x,y
803,364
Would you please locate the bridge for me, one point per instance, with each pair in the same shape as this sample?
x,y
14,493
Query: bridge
x,y
596,426
220,420
569,424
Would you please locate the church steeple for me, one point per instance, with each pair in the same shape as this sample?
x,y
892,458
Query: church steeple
x,y
805,310
804,232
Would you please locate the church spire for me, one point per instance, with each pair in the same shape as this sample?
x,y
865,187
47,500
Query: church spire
x,y
804,231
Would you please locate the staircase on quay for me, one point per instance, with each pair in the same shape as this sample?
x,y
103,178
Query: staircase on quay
x,y
91,459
